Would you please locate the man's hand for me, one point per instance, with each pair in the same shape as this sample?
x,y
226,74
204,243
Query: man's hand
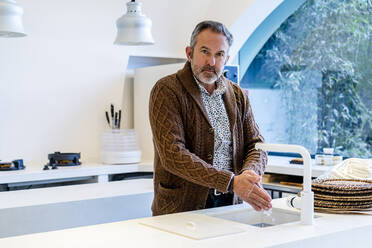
x,y
247,187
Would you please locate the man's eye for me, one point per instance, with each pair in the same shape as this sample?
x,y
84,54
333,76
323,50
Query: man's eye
x,y
220,54
204,51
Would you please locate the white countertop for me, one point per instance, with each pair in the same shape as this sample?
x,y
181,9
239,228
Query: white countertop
x,y
281,165
327,231
276,164
36,173
81,192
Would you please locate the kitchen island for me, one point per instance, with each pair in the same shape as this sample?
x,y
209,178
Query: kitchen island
x,y
329,230
56,208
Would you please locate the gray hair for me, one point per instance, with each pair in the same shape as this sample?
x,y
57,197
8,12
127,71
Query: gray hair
x,y
215,27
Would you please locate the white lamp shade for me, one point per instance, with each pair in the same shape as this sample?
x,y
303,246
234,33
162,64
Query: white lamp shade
x,y
134,28
11,19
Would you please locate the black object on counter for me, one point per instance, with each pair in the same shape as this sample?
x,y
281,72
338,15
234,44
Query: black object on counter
x,y
62,159
296,161
14,165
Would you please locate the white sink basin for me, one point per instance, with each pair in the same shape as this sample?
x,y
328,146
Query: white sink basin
x,y
249,216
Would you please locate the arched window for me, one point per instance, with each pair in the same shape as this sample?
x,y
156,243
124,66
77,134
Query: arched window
x,y
311,83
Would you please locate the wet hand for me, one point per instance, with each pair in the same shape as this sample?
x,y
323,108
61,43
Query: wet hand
x,y
247,187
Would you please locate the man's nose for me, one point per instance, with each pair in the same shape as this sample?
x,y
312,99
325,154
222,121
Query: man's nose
x,y
211,60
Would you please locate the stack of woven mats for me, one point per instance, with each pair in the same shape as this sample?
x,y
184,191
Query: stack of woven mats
x,y
343,196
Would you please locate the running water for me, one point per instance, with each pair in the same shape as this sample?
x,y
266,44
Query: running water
x,y
268,214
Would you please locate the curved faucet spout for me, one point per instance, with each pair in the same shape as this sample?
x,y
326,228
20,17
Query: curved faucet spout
x,y
307,196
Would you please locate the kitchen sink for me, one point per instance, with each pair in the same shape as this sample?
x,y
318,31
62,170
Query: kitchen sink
x,y
260,219
203,224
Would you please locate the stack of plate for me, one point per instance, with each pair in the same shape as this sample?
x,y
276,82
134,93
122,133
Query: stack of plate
x,y
342,195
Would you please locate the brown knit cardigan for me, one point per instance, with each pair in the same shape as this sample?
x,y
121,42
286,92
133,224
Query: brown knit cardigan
x,y
184,142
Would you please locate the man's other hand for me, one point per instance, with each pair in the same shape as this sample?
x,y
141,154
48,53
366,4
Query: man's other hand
x,y
247,187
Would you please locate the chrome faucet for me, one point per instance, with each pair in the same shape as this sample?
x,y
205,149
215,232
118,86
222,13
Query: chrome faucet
x,y
307,196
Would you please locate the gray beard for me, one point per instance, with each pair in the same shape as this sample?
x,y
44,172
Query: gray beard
x,y
208,80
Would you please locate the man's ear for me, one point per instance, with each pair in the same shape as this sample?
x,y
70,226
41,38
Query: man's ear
x,y
188,53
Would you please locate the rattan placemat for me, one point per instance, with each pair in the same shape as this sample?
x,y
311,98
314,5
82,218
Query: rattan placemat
x,y
342,192
342,184
342,198
342,204
367,211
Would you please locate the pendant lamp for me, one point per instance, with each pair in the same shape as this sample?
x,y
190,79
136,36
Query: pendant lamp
x,y
134,28
11,19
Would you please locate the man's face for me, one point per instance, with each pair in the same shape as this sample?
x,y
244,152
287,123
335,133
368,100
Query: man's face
x,y
209,56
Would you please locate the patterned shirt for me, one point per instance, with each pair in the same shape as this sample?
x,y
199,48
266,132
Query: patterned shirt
x,y
220,123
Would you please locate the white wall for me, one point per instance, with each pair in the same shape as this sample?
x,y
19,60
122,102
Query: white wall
x,y
56,83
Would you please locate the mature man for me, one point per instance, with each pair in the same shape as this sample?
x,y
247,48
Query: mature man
x,y
204,132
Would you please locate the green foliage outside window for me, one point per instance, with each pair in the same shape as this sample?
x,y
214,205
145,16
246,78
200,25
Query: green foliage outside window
x,y
322,56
